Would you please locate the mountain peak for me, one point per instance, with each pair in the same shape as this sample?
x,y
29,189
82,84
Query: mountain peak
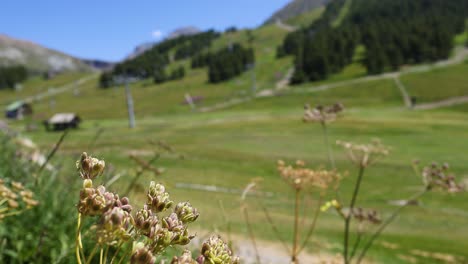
x,y
36,57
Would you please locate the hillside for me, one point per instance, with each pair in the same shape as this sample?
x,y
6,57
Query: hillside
x,y
35,57
234,133
295,8
391,33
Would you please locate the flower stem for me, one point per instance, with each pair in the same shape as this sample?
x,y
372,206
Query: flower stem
x,y
387,222
296,228
331,159
78,244
251,234
349,215
313,224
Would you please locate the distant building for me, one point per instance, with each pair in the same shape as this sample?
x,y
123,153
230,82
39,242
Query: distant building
x,y
18,110
62,121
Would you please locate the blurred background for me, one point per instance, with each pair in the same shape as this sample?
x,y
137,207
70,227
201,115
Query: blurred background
x,y
204,96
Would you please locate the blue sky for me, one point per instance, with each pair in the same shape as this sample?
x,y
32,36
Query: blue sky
x,y
109,30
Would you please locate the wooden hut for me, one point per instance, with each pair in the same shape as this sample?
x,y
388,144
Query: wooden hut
x,y
18,110
62,121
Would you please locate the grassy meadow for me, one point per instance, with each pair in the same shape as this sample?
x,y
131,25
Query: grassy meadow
x,y
229,147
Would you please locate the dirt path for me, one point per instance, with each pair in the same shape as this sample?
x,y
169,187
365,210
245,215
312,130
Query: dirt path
x,y
444,103
55,91
403,91
282,84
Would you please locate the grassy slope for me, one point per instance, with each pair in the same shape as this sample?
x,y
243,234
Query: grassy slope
x,y
438,84
37,85
230,147
306,19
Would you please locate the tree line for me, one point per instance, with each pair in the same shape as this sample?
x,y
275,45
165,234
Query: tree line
x,y
10,76
228,62
153,62
393,32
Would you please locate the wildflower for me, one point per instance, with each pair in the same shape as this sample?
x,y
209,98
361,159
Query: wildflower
x,y
142,255
114,226
365,154
322,114
299,177
186,213
216,251
177,229
14,198
146,222
435,176
370,216
89,167
334,203
157,198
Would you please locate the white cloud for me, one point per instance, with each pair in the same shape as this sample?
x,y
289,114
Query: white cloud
x,y
157,34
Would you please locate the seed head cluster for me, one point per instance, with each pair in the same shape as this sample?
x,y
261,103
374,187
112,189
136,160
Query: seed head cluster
x,y
150,232
364,155
437,176
14,198
322,114
216,251
366,216
299,177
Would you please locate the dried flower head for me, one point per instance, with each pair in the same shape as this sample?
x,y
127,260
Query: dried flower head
x,y
114,226
216,251
365,154
157,198
186,213
142,255
368,216
300,177
89,167
440,177
146,222
322,114
177,230
14,199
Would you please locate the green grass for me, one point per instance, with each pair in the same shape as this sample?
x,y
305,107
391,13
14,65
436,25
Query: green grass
x,y
461,39
438,84
230,147
343,13
306,19
36,85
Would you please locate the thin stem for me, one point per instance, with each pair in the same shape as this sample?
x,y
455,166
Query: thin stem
x,y
313,224
296,228
91,255
51,154
251,234
101,256
106,252
348,217
78,244
124,256
275,229
116,252
356,245
389,220
226,220
331,159
139,173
